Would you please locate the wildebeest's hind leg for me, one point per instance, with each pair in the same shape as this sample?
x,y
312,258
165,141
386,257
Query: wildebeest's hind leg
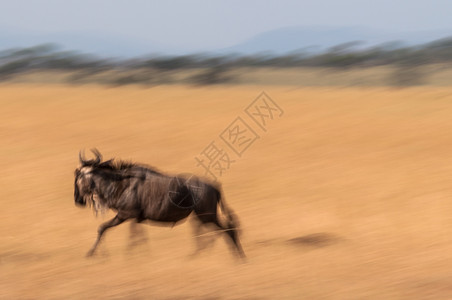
x,y
104,226
200,241
137,234
230,230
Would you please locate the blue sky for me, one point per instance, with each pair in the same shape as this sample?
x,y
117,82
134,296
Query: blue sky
x,y
215,24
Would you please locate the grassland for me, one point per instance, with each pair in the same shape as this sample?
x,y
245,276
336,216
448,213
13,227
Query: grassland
x,y
346,196
435,75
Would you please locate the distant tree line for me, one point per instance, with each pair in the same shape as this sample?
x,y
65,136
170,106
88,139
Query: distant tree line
x,y
214,69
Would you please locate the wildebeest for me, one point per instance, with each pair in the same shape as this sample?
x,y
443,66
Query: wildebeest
x,y
139,192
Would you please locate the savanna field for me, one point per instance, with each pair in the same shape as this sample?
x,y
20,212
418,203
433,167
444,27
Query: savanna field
x,y
347,195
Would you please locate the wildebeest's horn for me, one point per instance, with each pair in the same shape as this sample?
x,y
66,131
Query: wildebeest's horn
x,y
82,157
98,155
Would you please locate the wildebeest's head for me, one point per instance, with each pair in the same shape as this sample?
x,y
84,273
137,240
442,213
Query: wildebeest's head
x,y
84,184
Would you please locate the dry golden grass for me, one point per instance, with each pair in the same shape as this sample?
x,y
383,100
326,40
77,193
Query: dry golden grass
x,y
347,196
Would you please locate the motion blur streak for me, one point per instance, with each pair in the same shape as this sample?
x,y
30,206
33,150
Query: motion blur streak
x,y
348,196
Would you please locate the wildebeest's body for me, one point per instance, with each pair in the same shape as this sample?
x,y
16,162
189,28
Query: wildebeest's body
x,y
142,193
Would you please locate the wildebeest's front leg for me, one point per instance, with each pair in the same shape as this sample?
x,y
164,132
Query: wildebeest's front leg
x,y
104,226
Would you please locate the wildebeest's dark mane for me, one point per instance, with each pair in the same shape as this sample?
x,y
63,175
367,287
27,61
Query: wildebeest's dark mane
x,y
121,165
116,167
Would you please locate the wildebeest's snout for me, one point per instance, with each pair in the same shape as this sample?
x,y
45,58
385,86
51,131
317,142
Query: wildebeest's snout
x,y
79,199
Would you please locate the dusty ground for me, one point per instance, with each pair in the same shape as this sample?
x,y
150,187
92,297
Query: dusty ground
x,y
346,196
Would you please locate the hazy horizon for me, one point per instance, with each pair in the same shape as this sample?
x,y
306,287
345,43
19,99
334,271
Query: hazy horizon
x,y
209,25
